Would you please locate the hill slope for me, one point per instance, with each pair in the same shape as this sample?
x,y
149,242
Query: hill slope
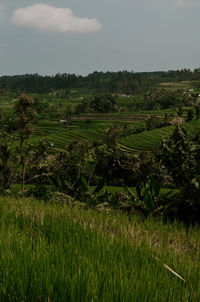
x,y
50,253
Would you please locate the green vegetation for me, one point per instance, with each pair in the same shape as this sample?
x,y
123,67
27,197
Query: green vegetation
x,y
53,253
111,165
96,137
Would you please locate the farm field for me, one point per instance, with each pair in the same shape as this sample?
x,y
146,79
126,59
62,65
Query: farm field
x,y
59,136
92,127
186,85
147,140
53,253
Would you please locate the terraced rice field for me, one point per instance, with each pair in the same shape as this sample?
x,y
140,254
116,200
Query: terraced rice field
x,y
60,135
147,140
92,127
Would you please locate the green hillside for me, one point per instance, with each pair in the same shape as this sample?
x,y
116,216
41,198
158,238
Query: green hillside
x,y
54,253
147,140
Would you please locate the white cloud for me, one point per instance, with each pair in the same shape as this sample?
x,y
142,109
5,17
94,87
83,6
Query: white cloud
x,y
49,18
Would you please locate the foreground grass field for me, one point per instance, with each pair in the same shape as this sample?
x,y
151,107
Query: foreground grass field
x,y
54,253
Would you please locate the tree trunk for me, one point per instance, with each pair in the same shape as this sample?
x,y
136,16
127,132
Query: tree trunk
x,y
23,165
23,177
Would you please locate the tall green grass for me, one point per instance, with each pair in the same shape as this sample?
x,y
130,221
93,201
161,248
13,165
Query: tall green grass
x,y
50,253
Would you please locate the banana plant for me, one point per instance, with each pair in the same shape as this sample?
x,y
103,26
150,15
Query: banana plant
x,y
85,193
81,190
148,193
146,199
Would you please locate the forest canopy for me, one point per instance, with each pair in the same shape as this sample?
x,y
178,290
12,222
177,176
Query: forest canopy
x,y
113,82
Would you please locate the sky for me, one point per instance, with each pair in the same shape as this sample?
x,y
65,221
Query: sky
x,y
83,36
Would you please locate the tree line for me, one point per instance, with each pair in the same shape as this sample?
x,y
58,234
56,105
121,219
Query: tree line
x,y
113,82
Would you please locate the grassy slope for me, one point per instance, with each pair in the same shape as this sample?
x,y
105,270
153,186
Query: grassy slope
x,y
49,253
147,140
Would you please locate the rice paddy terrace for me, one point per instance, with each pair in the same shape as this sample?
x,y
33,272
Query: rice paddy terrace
x,y
92,127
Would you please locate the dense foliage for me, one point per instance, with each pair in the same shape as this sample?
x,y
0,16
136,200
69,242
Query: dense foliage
x,y
114,82
175,164
102,103
81,168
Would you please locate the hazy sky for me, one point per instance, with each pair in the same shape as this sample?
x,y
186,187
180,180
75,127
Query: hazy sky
x,y
82,36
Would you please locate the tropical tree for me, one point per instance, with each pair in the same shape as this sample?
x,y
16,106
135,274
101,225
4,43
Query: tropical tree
x,y
68,114
25,116
101,103
72,163
6,167
190,115
112,136
1,123
180,111
197,112
177,155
